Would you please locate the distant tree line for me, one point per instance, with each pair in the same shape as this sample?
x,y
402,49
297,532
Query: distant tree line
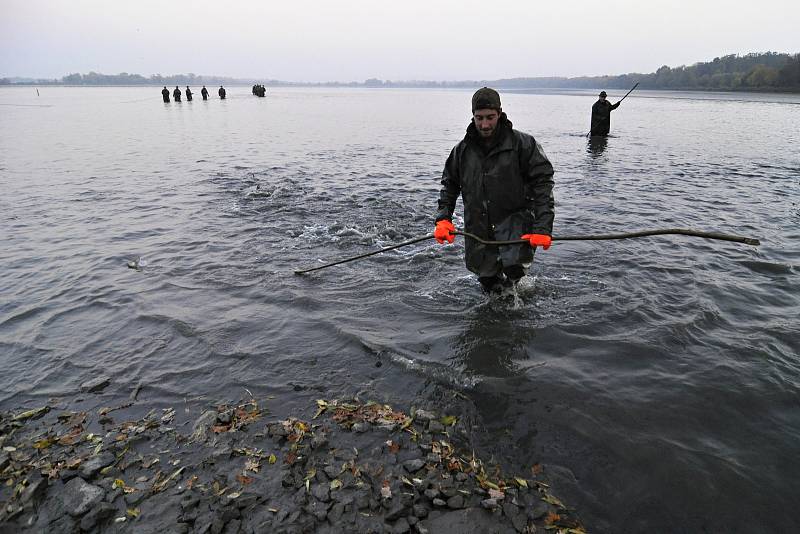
x,y
769,71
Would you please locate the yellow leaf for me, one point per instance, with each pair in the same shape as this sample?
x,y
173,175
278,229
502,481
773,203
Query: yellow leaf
x,y
521,482
336,484
133,512
43,443
552,500
272,459
448,420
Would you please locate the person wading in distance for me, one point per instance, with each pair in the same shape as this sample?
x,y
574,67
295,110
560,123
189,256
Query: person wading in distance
x,y
601,115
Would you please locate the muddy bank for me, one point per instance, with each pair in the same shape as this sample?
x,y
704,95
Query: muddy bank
x,y
345,466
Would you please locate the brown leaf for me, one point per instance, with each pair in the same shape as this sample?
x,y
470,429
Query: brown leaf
x,y
244,479
536,469
552,518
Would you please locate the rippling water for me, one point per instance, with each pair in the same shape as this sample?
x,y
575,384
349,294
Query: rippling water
x,y
659,376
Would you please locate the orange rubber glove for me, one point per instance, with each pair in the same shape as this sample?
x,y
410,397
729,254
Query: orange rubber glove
x,y
443,231
539,240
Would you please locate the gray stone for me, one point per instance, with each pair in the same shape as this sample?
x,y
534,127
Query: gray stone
x,y
335,513
424,415
97,515
79,496
201,425
37,485
431,493
401,527
232,527
435,427
455,502
95,385
360,427
317,509
420,511
538,511
412,466
461,521
224,417
93,465
319,441
509,509
395,510
489,504
321,492
520,523
439,502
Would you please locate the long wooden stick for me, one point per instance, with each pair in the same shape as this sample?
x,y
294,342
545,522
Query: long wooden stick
x,y
599,237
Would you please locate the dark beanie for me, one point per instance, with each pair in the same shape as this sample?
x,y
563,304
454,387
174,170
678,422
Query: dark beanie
x,y
485,98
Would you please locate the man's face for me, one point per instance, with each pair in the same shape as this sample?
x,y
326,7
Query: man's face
x,y
486,121
602,98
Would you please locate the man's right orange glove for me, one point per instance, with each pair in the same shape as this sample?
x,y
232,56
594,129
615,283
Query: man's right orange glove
x,y
443,231
539,240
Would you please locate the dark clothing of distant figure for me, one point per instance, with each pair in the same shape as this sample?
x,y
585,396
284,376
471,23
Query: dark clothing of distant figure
x,y
176,94
221,93
165,94
204,92
507,190
188,95
601,117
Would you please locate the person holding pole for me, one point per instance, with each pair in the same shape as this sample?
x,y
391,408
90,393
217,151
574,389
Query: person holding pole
x,y
506,184
601,115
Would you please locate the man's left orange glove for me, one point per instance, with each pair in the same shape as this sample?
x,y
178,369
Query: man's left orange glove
x,y
443,231
539,240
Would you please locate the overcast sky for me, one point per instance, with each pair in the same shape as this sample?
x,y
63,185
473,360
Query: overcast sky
x,y
352,40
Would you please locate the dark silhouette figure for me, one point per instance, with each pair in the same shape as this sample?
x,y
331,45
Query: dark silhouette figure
x,y
165,94
176,94
188,94
601,115
259,90
221,92
204,92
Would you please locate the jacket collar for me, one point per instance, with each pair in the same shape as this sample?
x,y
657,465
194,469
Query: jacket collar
x,y
501,140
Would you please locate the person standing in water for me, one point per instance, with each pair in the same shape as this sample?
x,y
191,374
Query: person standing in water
x,y
176,94
221,92
188,94
601,115
165,94
506,184
204,92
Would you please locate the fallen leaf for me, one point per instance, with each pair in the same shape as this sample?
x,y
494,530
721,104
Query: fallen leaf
x,y
336,484
31,414
272,459
386,491
536,469
133,512
552,500
44,443
448,420
521,482
244,479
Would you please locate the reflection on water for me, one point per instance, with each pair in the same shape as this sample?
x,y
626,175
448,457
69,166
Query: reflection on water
x,y
597,145
662,372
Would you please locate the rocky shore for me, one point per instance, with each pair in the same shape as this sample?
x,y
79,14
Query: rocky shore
x,y
351,467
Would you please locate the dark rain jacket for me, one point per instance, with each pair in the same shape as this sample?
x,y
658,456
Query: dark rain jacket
x,y
601,117
507,191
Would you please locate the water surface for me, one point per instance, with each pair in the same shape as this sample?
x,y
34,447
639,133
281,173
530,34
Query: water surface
x,y
658,377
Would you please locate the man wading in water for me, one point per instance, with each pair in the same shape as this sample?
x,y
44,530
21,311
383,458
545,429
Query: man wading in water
x,y
506,184
601,115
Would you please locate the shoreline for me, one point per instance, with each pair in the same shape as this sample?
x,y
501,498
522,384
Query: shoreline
x,y
353,466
